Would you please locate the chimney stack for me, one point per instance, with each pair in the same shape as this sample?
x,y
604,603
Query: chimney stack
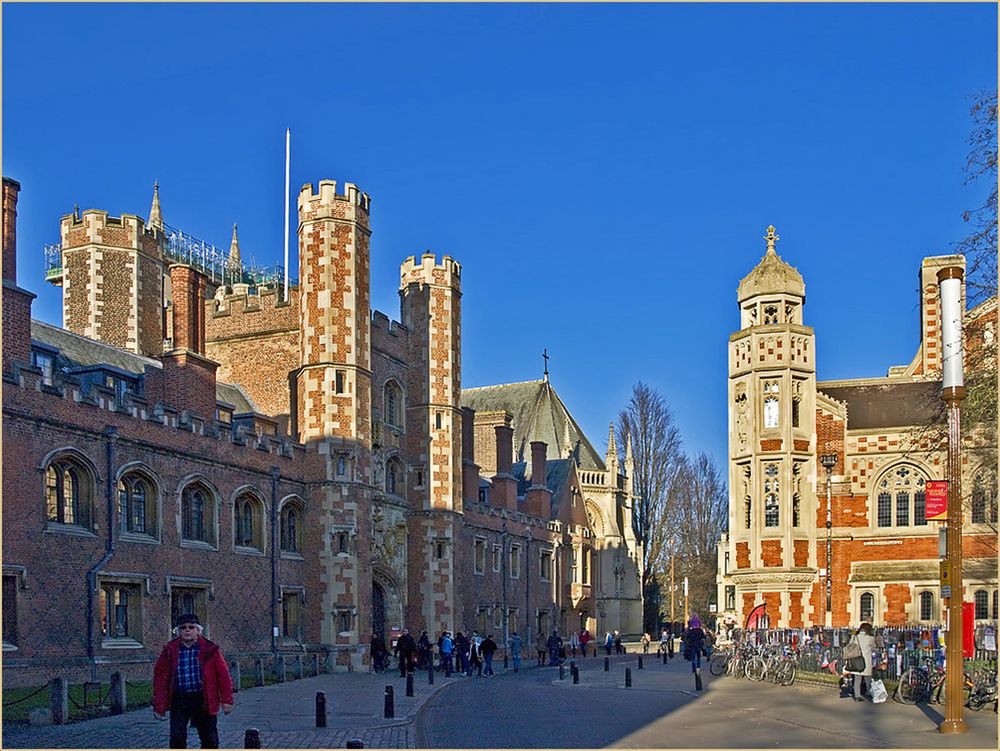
x,y
16,301
188,297
470,470
504,484
189,376
538,499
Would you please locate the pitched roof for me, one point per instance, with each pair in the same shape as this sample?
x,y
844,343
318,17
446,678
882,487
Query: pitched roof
x,y
77,351
887,404
539,415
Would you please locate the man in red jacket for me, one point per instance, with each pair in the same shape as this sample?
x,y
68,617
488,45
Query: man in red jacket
x,y
191,679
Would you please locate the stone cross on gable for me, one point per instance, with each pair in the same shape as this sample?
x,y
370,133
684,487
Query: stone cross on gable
x,y
771,238
545,356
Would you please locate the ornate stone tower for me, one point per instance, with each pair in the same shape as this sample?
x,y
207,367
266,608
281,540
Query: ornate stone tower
x,y
431,296
333,402
772,396
112,279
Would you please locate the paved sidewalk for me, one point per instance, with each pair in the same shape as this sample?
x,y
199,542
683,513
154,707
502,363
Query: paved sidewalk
x,y
284,713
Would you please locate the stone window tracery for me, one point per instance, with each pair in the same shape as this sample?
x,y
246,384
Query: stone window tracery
x,y
771,505
136,504
771,315
197,514
68,493
901,490
771,404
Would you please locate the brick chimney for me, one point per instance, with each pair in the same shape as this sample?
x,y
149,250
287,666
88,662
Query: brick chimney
x,y
189,376
538,499
470,470
504,485
16,301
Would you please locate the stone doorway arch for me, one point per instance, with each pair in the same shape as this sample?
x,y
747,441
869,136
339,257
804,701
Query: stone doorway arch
x,y
387,605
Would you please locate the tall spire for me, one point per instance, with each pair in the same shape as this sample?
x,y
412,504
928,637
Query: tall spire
x,y
233,265
628,449
612,447
155,215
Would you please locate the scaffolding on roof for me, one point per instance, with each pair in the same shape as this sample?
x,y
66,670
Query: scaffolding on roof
x,y
180,247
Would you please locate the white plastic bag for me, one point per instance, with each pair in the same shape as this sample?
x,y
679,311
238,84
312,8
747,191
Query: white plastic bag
x,y
878,692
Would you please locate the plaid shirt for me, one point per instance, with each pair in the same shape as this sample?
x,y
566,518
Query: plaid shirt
x,y
188,678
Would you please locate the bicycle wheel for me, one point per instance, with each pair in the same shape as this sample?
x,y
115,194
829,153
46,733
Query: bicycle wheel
x,y
912,686
756,668
788,676
718,665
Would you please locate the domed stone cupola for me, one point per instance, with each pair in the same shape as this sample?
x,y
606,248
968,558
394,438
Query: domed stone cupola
x,y
771,276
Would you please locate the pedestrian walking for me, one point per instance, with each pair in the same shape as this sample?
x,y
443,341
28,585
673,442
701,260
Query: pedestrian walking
x,y
609,642
866,642
646,639
425,652
446,647
487,649
191,681
462,650
515,646
664,638
574,643
379,653
554,643
406,650
475,653
541,646
694,643
619,649
585,639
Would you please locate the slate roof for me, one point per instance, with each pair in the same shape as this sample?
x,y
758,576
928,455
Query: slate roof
x,y
539,415
77,351
887,404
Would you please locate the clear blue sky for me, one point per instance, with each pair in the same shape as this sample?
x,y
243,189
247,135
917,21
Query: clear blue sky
x,y
605,173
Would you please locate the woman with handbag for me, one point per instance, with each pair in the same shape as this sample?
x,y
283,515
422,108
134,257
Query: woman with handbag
x,y
858,657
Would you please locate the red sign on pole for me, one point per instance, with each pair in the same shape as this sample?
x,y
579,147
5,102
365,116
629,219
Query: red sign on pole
x,y
968,629
937,500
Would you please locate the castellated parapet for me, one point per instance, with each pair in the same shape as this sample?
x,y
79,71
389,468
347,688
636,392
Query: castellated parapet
x,y
96,227
326,203
448,273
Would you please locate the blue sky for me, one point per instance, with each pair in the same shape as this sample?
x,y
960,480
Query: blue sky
x,y
605,173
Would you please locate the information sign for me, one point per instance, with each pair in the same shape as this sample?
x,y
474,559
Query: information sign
x,y
937,500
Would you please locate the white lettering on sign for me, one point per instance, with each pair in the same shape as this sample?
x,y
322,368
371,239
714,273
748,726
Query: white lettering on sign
x,y
882,542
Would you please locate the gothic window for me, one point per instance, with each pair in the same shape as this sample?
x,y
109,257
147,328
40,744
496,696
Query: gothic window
x,y
982,604
515,562
121,611
796,509
926,606
770,404
393,404
901,500
867,607
68,493
394,477
248,526
770,315
291,527
984,502
136,504
479,553
771,489
338,382
197,514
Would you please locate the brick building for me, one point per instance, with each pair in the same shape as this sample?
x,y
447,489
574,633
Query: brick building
x,y
298,470
886,438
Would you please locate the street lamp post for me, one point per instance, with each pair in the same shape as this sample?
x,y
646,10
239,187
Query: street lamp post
x,y
952,392
829,461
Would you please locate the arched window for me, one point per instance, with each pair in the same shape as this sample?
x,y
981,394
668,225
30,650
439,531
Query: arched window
x,y
901,500
248,522
867,607
136,504
291,527
926,606
197,514
771,505
393,404
982,601
69,493
394,477
771,315
984,500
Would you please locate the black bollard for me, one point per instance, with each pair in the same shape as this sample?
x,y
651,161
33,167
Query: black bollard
x,y
628,677
697,679
390,703
640,662
562,673
430,674
576,675
607,664
572,665
355,743
409,684
251,739
664,658
320,709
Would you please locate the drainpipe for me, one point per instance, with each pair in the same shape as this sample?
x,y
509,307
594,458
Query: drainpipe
x,y
275,475
110,437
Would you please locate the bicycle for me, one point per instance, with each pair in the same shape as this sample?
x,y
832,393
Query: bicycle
x,y
719,663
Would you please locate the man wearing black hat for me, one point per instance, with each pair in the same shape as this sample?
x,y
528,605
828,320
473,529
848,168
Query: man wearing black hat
x,y
191,680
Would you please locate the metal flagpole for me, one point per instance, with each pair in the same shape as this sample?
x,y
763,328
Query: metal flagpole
x,y
288,151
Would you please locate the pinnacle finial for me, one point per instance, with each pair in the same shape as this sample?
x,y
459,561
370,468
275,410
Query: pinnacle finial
x,y
771,239
612,446
155,215
233,263
567,445
76,211
628,447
